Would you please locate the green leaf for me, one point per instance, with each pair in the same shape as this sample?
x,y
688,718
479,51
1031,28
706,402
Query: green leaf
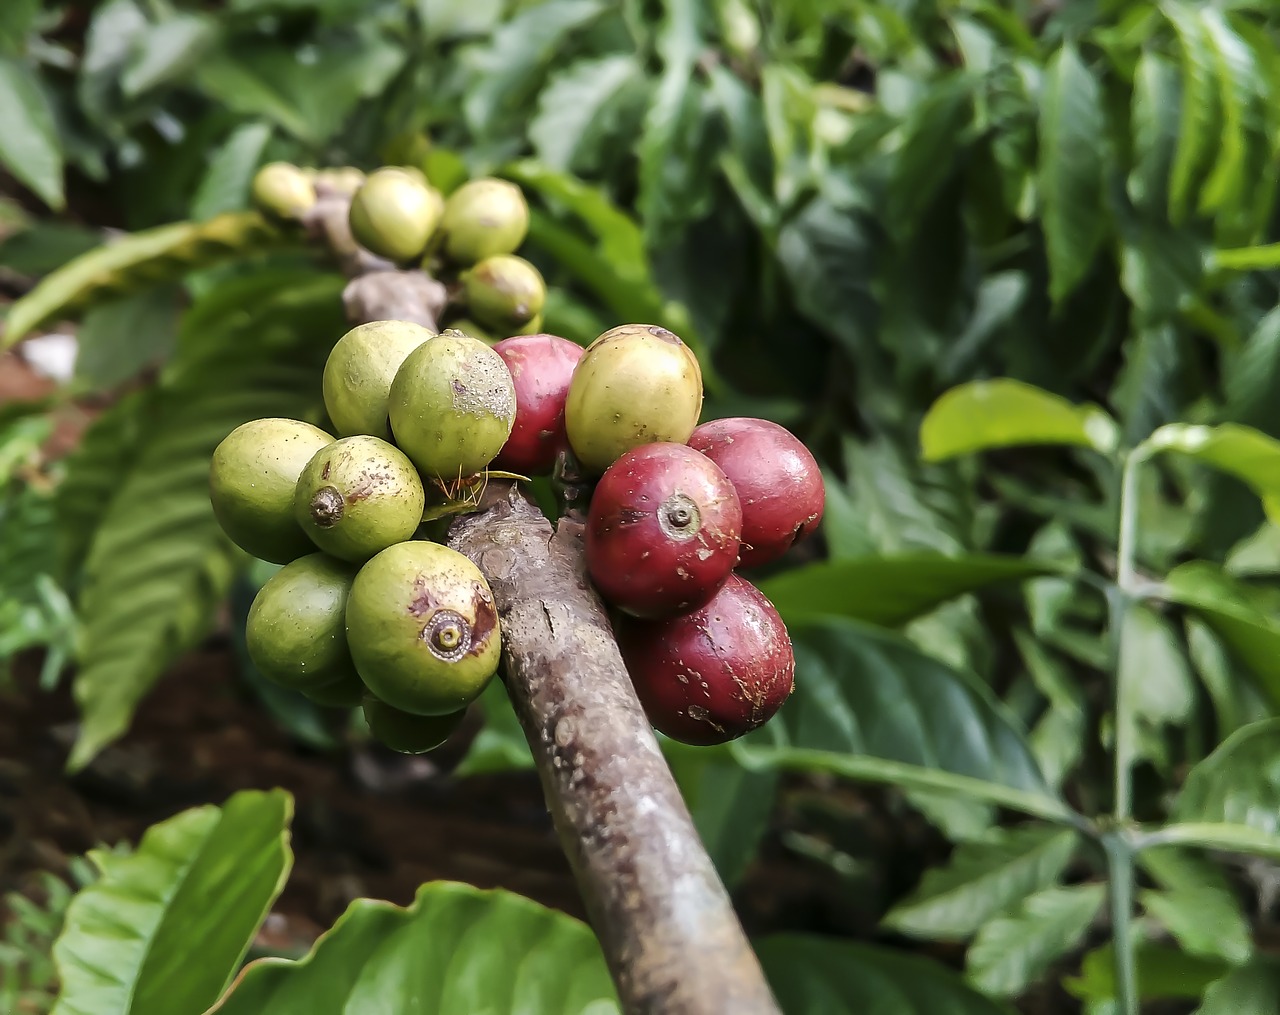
x,y
1057,739
981,880
811,975
1163,972
1239,783
1154,123
225,186
159,539
119,338
931,151
456,949
1241,451
45,246
1216,836
1012,951
1155,683
93,470
28,138
892,590
1252,989
1229,186
830,257
673,171
1199,134
169,50
1007,413
575,108
868,705
451,19
1224,605
1073,134
136,262
117,28
510,68
730,805
198,885
501,745
1203,919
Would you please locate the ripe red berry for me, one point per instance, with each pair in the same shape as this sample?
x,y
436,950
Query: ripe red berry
x,y
778,482
712,675
662,532
541,367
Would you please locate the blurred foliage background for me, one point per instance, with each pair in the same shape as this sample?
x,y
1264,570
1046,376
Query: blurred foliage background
x,y
847,207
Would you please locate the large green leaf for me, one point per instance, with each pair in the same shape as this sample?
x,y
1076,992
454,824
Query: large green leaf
x,y
1226,607
1155,686
508,70
169,49
1013,950
891,590
982,879
1253,989
811,975
1241,451
1006,413
1239,783
1154,123
576,107
29,146
1071,164
1197,905
931,150
1242,148
225,186
159,563
869,705
673,171
163,929
119,338
136,262
1164,971
1200,131
456,949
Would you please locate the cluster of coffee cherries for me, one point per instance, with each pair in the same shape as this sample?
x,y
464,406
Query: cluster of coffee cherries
x,y
676,510
468,240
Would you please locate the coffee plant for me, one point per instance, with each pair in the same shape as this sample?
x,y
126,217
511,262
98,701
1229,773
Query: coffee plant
x,y
1008,272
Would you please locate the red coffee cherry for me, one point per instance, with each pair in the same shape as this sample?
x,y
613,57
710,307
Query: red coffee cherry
x,y
541,367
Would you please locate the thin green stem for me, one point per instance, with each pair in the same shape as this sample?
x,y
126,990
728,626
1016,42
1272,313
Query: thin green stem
x,y
1126,590
1120,869
1119,852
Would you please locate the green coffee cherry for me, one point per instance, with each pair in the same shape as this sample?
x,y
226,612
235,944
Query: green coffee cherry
x,y
347,691
394,214
452,406
423,628
282,190
504,292
296,630
482,218
343,180
357,496
252,477
634,385
359,371
405,732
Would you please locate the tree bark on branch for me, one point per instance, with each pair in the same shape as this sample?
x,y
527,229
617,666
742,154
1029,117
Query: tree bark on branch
x,y
664,919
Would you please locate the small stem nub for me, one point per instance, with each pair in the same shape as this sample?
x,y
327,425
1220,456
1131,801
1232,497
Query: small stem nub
x,y
327,507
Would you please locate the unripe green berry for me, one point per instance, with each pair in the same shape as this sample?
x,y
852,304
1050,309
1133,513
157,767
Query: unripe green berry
x,y
252,477
394,214
359,372
452,406
482,218
423,628
357,496
636,384
504,292
296,629
406,732
282,190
